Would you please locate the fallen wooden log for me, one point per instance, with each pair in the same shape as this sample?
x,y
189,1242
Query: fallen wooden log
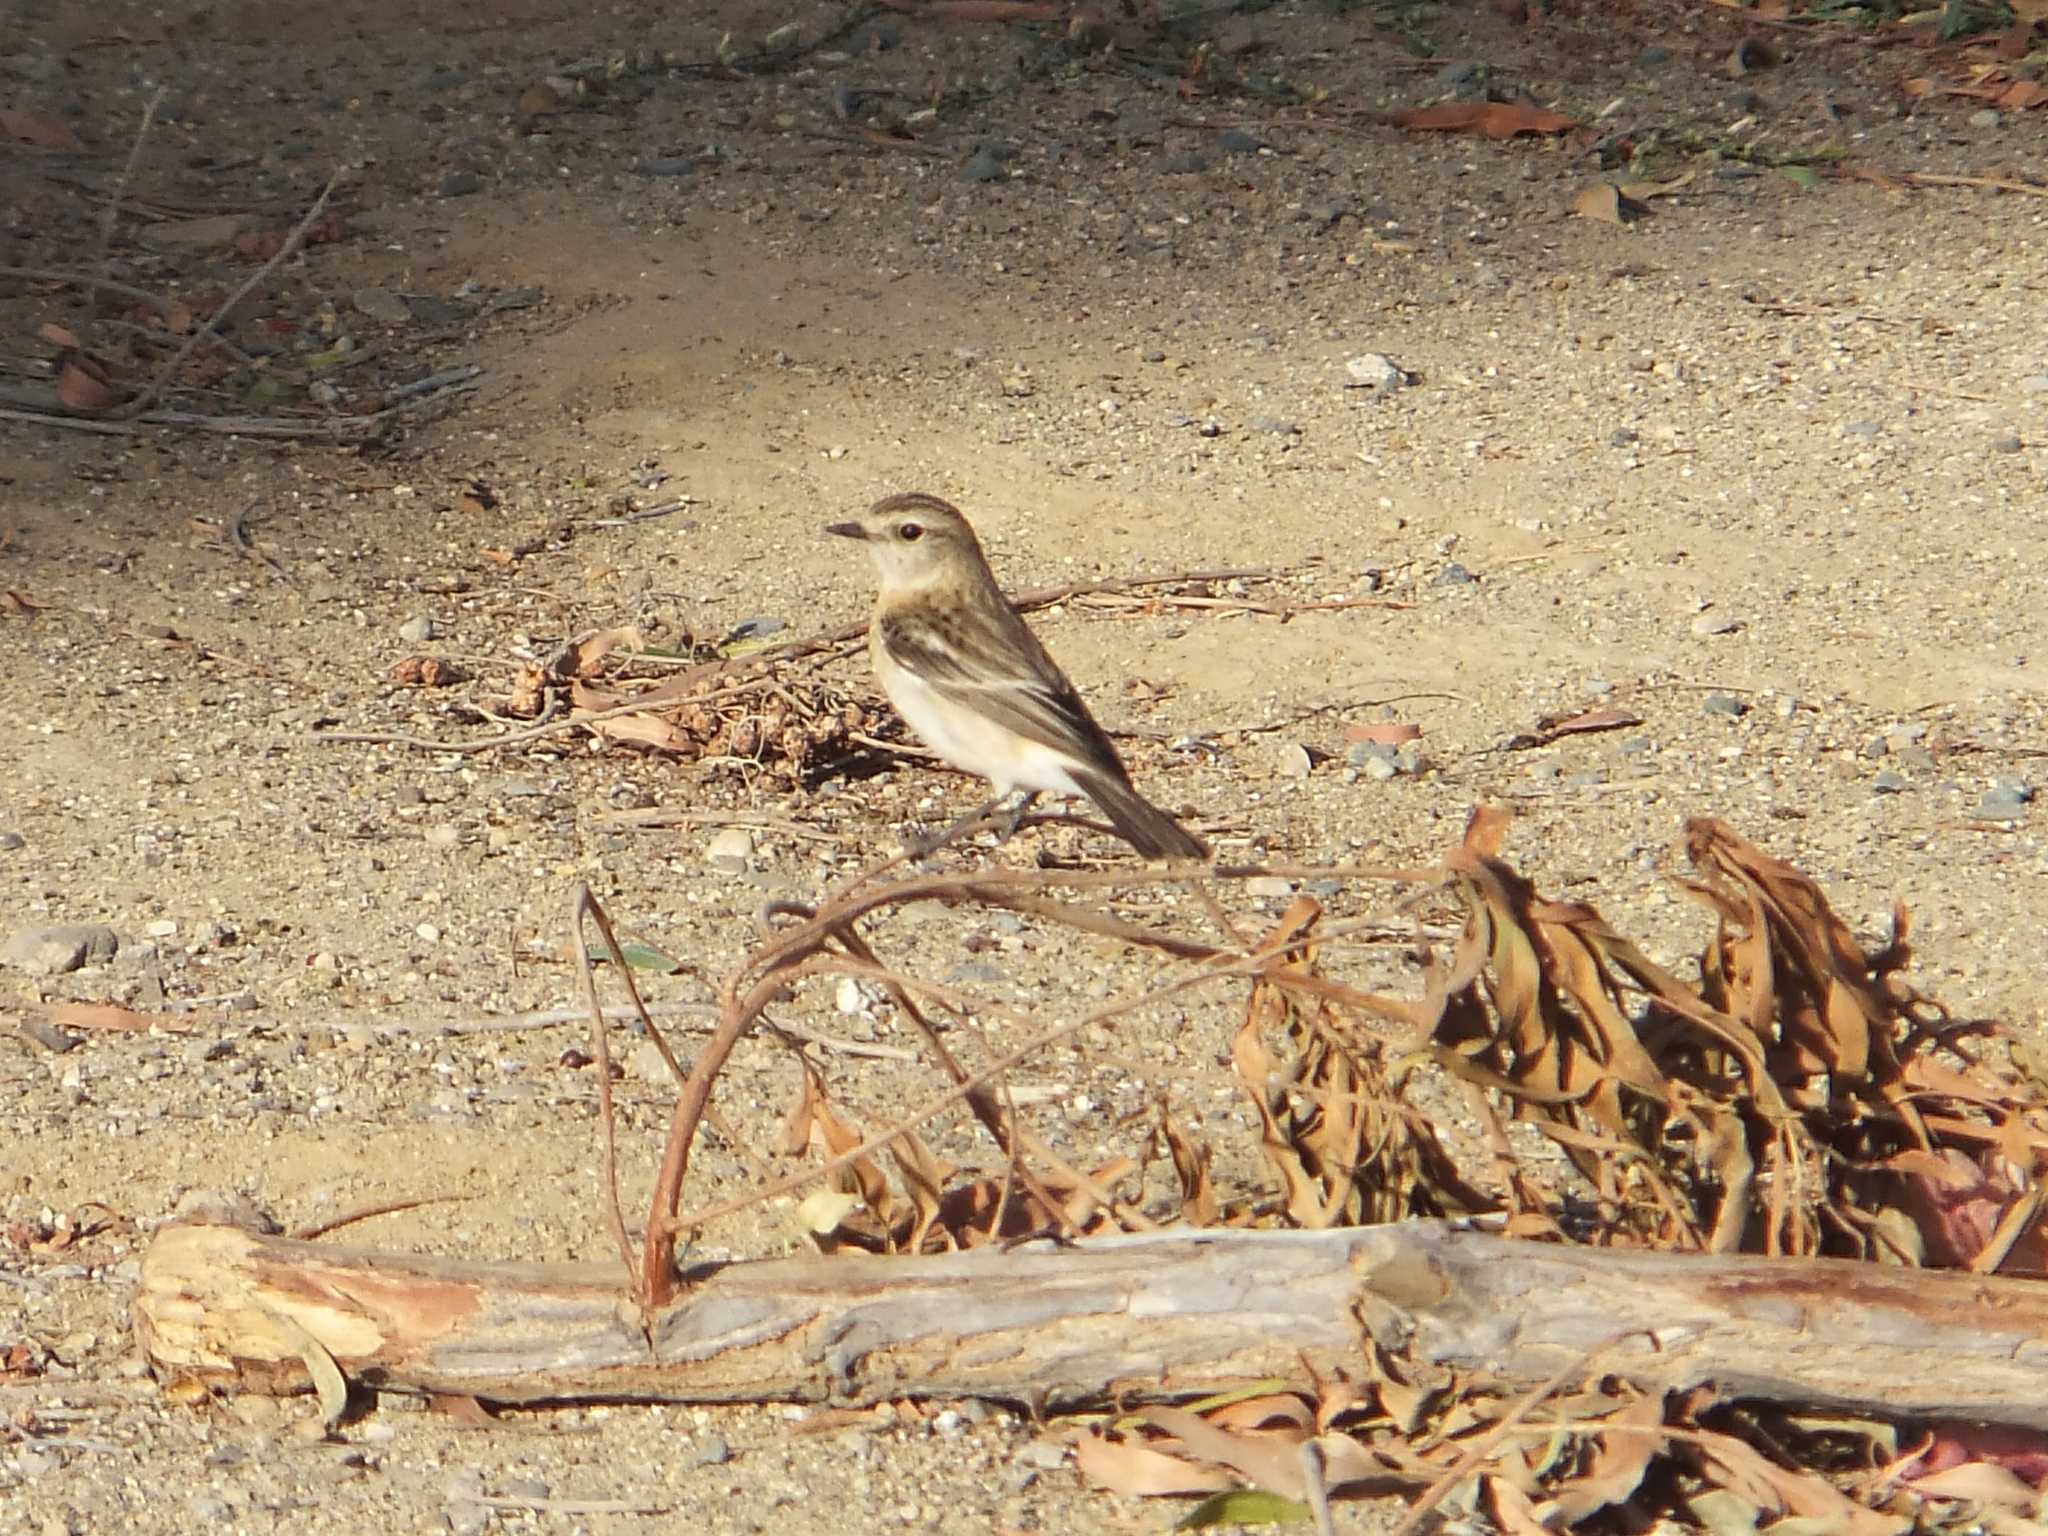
x,y
1157,1315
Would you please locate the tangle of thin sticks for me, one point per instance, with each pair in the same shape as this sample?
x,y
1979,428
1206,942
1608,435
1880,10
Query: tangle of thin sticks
x,y
824,941
169,370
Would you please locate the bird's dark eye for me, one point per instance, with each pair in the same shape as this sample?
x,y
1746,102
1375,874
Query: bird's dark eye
x,y
910,533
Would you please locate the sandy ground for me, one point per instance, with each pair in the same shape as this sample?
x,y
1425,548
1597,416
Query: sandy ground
x,y
1762,468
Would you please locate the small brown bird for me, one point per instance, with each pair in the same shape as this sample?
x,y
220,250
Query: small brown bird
x,y
973,681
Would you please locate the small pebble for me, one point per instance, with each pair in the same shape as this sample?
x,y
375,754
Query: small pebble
x,y
417,630
10,841
2007,442
1723,704
1375,371
1623,437
381,305
730,850
1044,1453
461,184
1154,355
711,1451
59,950
428,933
1891,782
1292,761
1986,117
524,1488
1997,806
1455,575
1268,886
1715,624
1862,429
667,165
1276,425
983,165
1235,141
1184,164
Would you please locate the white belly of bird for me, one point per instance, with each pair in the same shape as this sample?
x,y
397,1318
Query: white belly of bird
x,y
976,743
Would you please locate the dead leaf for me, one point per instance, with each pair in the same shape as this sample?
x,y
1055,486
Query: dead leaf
x,y
1611,718
83,384
37,129
1385,733
56,335
465,1410
1979,1482
1643,191
2022,95
1490,119
588,653
1600,201
112,1016
644,731
1126,1466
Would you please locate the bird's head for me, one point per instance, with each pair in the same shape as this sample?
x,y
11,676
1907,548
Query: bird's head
x,y
916,541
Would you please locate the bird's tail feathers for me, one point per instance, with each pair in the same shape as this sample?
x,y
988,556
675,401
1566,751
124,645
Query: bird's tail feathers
x,y
1148,829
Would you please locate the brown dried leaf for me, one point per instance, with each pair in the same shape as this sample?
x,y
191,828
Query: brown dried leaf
x,y
644,731
1264,1458
83,384
1199,1206
1618,1457
1384,733
587,653
1610,718
112,1016
1750,1475
56,335
1125,1466
1600,201
1490,119
35,128
924,1180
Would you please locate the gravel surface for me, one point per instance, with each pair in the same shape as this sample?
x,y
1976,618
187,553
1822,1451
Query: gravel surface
x,y
1759,472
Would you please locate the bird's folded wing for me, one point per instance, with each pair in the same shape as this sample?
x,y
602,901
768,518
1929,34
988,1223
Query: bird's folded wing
x,y
1000,672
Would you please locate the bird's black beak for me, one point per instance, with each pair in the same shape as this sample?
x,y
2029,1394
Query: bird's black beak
x,y
847,530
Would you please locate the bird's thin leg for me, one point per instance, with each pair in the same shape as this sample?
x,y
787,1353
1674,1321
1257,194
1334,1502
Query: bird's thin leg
x,y
923,845
1016,817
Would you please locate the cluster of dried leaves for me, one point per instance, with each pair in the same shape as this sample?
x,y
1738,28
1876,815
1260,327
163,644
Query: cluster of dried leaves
x,y
1798,1097
755,718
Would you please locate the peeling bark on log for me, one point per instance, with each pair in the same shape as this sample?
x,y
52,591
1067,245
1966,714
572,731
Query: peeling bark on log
x,y
1159,1315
